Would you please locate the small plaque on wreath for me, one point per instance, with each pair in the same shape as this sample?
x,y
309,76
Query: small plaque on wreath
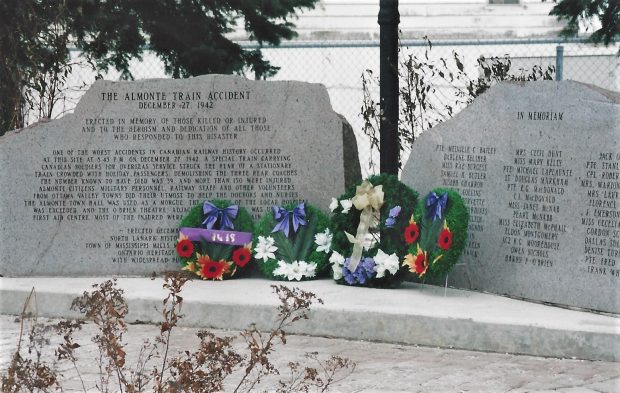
x,y
293,243
215,240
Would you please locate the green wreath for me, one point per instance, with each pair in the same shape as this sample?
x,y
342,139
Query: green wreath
x,y
284,252
436,234
212,260
380,263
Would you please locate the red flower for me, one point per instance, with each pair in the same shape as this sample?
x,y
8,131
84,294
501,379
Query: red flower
x,y
421,264
412,232
185,248
241,256
445,239
210,269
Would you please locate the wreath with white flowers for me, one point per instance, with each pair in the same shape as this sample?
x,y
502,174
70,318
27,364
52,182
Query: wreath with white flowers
x,y
367,223
436,234
293,243
215,240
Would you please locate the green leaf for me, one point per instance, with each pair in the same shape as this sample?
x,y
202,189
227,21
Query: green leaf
x,y
300,247
216,251
305,240
285,248
204,246
429,232
220,251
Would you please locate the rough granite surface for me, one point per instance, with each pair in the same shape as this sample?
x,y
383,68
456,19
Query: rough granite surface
x,y
538,165
102,190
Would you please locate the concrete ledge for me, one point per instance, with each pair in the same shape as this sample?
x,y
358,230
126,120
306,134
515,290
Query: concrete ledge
x,y
412,314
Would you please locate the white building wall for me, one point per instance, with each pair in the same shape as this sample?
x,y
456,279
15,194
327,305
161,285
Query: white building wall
x,y
438,19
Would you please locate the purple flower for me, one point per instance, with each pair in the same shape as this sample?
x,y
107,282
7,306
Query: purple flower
x,y
391,220
364,271
395,211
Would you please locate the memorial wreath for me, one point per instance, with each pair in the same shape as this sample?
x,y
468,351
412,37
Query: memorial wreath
x,y
293,242
436,234
215,240
367,224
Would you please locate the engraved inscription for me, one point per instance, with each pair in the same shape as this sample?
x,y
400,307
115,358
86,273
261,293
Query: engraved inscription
x,y
600,216
464,168
129,180
535,182
551,191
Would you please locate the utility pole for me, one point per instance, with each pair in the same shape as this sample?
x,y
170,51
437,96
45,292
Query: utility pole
x,y
389,144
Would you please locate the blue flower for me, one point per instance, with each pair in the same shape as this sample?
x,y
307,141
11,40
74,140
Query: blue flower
x,y
364,271
391,220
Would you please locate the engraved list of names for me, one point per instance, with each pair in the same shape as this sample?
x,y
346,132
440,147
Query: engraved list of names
x,y
538,166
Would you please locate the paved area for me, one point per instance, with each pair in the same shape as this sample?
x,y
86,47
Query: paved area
x,y
379,367
412,314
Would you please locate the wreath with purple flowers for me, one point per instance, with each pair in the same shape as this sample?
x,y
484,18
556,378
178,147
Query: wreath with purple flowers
x,y
367,224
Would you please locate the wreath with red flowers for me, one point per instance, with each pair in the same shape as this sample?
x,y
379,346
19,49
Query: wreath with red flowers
x,y
436,234
215,240
381,260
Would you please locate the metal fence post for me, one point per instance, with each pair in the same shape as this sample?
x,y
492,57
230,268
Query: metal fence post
x,y
559,62
388,90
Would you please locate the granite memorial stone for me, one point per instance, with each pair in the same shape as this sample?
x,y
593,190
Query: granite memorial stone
x,y
102,191
538,166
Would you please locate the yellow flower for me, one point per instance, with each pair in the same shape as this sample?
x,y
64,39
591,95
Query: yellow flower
x,y
417,263
190,267
409,261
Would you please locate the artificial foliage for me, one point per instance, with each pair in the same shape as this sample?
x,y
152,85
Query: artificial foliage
x,y
387,233
304,251
213,261
436,243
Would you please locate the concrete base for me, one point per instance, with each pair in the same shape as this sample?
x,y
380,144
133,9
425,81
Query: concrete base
x,y
412,314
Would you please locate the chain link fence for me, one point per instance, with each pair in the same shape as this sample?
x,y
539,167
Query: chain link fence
x,y
339,66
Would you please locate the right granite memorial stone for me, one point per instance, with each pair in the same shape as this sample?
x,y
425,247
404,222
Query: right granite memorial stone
x,y
537,164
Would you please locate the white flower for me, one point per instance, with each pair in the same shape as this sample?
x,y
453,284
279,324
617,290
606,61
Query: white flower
x,y
333,205
336,259
295,271
324,241
346,205
308,269
337,269
385,262
282,269
265,248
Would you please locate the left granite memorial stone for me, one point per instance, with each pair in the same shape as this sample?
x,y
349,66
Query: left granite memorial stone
x,y
102,191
